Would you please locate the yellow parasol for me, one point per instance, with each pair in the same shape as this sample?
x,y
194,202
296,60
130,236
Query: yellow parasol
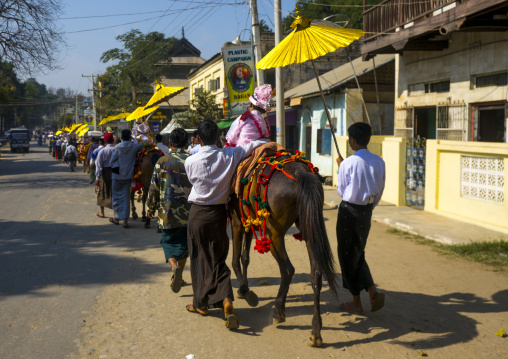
x,y
308,41
58,132
140,112
120,116
82,131
163,94
75,127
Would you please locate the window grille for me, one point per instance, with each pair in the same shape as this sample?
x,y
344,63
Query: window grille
x,y
500,79
483,179
439,87
404,122
451,122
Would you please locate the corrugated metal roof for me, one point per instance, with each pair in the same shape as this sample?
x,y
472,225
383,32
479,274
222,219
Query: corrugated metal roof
x,y
337,76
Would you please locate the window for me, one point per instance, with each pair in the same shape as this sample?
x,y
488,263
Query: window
x,y
416,89
324,141
214,84
500,79
439,87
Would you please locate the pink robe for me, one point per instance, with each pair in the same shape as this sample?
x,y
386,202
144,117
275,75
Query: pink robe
x,y
248,127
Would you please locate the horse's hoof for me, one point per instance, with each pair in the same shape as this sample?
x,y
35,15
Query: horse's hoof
x,y
251,298
278,320
315,342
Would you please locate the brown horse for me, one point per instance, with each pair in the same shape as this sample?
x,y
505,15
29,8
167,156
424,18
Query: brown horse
x,y
299,201
146,167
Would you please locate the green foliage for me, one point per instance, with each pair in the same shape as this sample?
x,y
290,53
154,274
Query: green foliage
x,y
263,27
494,253
204,107
308,9
140,62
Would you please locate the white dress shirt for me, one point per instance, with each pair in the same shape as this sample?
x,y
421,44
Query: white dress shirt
x,y
361,178
103,159
211,169
163,148
195,149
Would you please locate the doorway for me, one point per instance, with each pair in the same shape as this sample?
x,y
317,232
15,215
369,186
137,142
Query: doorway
x,y
425,123
308,141
491,124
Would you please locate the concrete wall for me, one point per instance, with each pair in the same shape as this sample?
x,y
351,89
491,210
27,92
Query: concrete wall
x,y
469,54
443,183
313,112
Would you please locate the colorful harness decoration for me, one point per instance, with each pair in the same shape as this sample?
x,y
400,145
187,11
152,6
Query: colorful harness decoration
x,y
143,151
259,216
83,151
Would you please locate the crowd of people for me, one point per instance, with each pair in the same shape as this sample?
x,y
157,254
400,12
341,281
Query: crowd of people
x,y
190,188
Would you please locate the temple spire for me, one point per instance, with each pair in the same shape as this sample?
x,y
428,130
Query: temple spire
x,y
183,33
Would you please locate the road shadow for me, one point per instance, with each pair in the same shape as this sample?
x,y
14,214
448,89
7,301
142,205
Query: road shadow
x,y
433,321
37,254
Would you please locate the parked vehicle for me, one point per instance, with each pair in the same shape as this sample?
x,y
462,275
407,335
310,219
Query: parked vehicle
x,y
20,139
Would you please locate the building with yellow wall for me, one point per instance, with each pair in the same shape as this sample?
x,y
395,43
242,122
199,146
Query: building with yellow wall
x,y
209,77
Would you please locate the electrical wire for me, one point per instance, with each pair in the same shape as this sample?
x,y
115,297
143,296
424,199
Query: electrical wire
x,y
139,21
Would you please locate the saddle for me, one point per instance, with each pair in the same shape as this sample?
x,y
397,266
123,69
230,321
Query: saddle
x,y
247,165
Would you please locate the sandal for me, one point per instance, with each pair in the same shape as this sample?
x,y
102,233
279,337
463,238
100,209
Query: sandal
x,y
114,222
378,302
125,225
193,309
99,215
176,280
346,307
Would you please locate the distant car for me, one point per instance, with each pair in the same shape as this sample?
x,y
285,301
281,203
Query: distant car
x,y
3,140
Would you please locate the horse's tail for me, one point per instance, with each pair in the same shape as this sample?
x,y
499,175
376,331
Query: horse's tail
x,y
310,200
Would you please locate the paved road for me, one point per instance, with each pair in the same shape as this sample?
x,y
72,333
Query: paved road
x,y
55,254
74,286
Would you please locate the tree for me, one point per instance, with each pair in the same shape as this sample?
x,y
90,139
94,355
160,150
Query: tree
x,y
142,60
204,107
263,27
29,36
353,10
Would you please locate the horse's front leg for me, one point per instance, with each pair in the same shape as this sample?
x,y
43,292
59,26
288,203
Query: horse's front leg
x,y
134,214
143,201
316,280
251,297
238,231
278,249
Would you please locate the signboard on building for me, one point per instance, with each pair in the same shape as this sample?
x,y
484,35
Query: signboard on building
x,y
239,71
89,117
156,127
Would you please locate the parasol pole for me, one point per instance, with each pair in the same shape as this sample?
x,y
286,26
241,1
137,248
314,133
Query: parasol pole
x,y
326,108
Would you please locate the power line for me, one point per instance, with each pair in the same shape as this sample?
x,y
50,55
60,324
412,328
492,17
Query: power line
x,y
144,20
148,12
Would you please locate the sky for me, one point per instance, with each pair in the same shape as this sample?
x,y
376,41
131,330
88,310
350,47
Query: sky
x,y
208,25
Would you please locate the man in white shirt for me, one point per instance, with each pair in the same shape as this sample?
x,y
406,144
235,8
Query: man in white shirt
x,y
361,181
160,145
210,172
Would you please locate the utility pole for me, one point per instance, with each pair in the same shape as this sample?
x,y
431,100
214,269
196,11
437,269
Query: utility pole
x,y
279,83
77,117
256,40
93,103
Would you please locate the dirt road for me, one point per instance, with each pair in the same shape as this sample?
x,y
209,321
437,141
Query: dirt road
x,y
72,285
443,307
